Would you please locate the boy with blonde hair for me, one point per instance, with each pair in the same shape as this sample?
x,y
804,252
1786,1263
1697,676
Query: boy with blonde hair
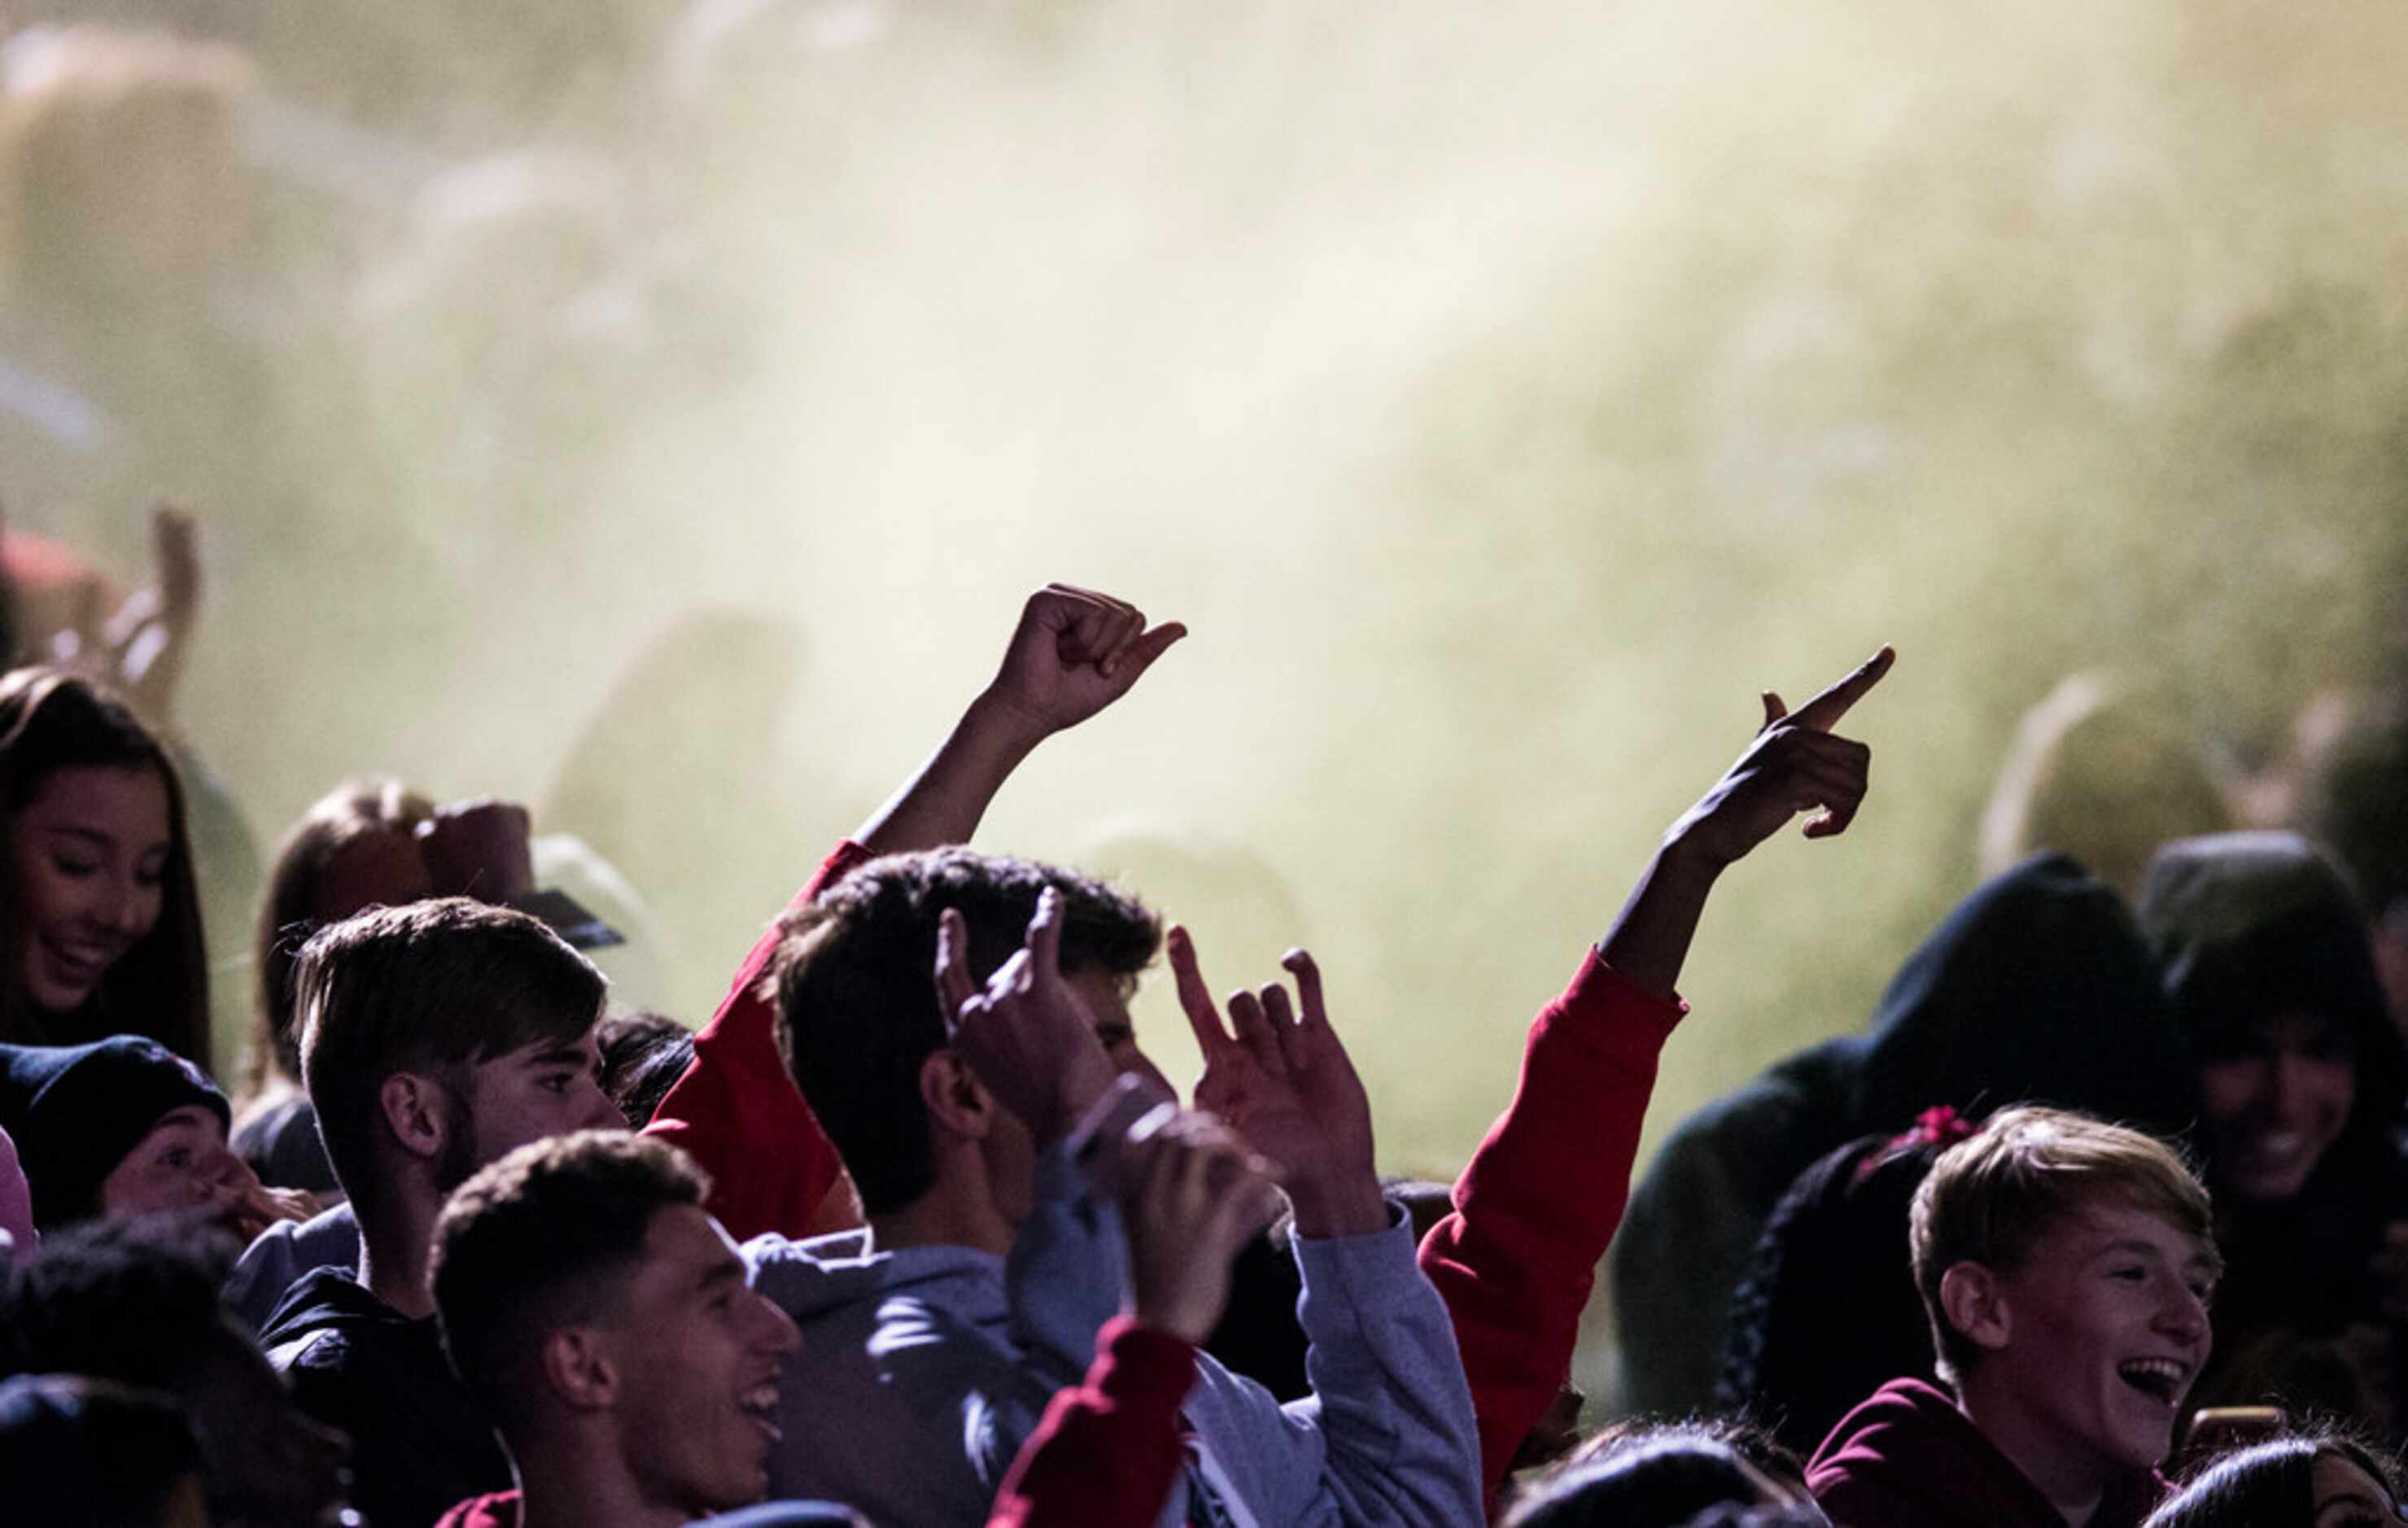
x,y
2067,1266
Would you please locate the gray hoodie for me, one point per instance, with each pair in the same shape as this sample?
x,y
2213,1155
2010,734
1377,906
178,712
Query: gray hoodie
x,y
923,1370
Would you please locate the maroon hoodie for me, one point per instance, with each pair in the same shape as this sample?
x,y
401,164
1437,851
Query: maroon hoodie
x,y
1907,1458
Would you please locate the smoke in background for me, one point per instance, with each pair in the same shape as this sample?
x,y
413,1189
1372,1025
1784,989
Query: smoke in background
x,y
667,409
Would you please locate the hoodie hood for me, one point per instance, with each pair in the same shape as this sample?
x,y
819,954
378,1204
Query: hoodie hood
x,y
1908,1458
2037,988
832,1279
887,1331
2248,926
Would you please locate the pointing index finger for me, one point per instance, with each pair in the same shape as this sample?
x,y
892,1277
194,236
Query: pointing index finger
x,y
1824,711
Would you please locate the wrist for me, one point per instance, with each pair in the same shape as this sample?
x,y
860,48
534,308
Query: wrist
x,y
1347,1203
1186,1314
1685,854
1000,725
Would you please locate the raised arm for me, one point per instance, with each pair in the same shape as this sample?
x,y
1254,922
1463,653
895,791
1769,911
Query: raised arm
x,y
736,1110
1795,765
1541,1198
1387,1436
1074,652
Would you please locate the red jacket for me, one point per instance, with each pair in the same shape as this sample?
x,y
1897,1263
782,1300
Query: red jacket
x,y
736,1110
1908,1458
1541,1198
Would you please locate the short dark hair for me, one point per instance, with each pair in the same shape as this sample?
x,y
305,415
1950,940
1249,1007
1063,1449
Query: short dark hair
x,y
534,1241
643,1054
434,987
79,1449
856,997
2269,1482
1650,1478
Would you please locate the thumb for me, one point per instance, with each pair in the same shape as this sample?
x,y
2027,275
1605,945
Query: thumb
x,y
1139,656
1773,710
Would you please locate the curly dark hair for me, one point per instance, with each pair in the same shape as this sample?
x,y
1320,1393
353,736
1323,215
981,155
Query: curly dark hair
x,y
129,1301
857,1012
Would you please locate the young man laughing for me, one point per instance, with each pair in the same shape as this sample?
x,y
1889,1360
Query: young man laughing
x,y
2067,1268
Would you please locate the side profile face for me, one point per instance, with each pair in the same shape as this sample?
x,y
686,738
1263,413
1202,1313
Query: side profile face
x,y
699,1354
183,1163
2275,1108
89,854
1106,998
2099,1335
530,1095
2348,1497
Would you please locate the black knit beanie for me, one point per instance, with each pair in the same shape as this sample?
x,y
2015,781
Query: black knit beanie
x,y
75,1111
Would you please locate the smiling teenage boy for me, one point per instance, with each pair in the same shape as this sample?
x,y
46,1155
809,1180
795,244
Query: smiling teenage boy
x,y
601,1314
2067,1266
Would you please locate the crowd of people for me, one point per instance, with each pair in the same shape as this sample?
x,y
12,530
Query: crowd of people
x,y
436,1223
2099,1226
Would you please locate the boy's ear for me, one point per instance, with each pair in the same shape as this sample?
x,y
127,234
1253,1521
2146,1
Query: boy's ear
x,y
956,1099
1975,1304
578,1365
417,1114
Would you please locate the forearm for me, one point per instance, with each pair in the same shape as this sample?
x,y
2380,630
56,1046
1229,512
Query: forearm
x,y
941,803
1650,938
1541,1198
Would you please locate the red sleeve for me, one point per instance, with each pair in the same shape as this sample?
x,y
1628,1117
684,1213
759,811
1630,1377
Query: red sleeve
x,y
737,1111
1539,1200
1108,1450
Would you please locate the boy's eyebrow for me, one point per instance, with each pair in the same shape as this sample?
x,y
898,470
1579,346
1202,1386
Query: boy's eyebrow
x,y
2207,1257
721,1272
566,1055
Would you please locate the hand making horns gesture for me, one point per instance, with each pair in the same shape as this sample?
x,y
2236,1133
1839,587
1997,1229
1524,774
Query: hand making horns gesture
x,y
1286,1085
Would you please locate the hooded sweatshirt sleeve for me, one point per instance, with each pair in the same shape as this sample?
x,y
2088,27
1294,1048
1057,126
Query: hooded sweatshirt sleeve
x,y
735,1110
1387,1436
1517,1259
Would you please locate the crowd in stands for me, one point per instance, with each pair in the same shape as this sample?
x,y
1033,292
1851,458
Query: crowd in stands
x,y
2102,1223
2097,1227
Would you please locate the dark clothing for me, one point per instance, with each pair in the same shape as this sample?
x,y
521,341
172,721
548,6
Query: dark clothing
x,y
502,1510
1800,1359
1907,1458
1694,1215
2038,988
419,1442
